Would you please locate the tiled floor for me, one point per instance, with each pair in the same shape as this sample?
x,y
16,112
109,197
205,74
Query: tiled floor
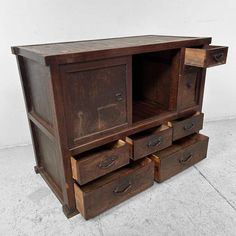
x,y
199,201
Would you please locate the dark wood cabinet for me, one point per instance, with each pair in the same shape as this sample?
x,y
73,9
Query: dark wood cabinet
x,y
102,113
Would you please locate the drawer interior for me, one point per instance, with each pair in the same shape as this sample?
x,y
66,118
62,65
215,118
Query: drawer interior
x,y
146,133
107,147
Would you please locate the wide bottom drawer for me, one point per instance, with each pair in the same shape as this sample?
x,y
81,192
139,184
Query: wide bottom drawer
x,y
112,189
178,157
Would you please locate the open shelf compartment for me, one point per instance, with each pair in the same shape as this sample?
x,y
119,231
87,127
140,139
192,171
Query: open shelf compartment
x,y
155,82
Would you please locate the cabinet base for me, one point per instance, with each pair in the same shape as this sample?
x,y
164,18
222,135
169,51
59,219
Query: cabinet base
x,y
69,212
37,169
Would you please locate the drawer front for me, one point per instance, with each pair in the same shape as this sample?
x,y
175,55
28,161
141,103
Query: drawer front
x,y
150,141
207,57
180,156
96,163
185,127
108,191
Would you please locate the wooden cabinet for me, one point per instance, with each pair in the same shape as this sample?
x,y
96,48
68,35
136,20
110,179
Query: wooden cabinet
x,y
103,112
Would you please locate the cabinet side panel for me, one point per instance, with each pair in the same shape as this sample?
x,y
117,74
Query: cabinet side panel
x,y
37,85
46,156
38,100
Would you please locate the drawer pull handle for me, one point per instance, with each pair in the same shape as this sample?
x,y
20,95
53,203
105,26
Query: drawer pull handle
x,y
110,161
154,142
120,190
188,126
186,159
119,97
218,56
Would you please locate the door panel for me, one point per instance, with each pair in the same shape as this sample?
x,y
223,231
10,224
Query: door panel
x,y
190,87
95,98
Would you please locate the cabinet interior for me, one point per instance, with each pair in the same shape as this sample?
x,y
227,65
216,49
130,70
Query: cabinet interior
x,y
154,76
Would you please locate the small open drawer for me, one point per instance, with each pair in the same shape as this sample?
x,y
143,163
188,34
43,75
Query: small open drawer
x,y
186,126
179,156
97,162
150,141
101,194
206,57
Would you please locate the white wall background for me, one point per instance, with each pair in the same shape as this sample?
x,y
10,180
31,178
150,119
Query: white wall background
x,y
32,22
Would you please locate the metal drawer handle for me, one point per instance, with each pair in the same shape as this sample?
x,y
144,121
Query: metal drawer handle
x,y
154,142
119,97
108,162
186,159
188,126
120,190
218,56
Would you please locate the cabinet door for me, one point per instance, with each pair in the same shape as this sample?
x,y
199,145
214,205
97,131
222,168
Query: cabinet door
x,y
190,84
95,98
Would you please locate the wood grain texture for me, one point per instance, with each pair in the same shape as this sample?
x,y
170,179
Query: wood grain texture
x,y
70,52
37,79
150,141
206,57
100,161
95,98
178,157
106,192
155,83
186,126
83,95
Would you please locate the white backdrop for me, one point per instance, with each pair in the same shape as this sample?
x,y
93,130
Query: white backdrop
x,y
32,22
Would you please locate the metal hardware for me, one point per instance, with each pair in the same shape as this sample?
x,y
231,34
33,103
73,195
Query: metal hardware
x,y
121,189
188,126
119,97
218,56
108,162
154,142
186,159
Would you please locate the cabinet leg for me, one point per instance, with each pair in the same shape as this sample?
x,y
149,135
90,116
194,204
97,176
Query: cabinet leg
x,y
69,212
37,169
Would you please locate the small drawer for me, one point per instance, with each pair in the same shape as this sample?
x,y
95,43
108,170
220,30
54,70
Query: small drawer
x,y
114,188
186,126
150,141
206,57
98,162
181,155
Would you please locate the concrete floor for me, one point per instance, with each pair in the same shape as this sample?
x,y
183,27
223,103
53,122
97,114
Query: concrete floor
x,y
199,201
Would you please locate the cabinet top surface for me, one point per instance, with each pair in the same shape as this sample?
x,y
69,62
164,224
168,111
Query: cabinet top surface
x,y
41,52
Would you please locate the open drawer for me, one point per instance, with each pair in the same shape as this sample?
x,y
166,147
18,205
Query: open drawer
x,y
178,157
100,161
150,141
186,126
114,188
206,57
